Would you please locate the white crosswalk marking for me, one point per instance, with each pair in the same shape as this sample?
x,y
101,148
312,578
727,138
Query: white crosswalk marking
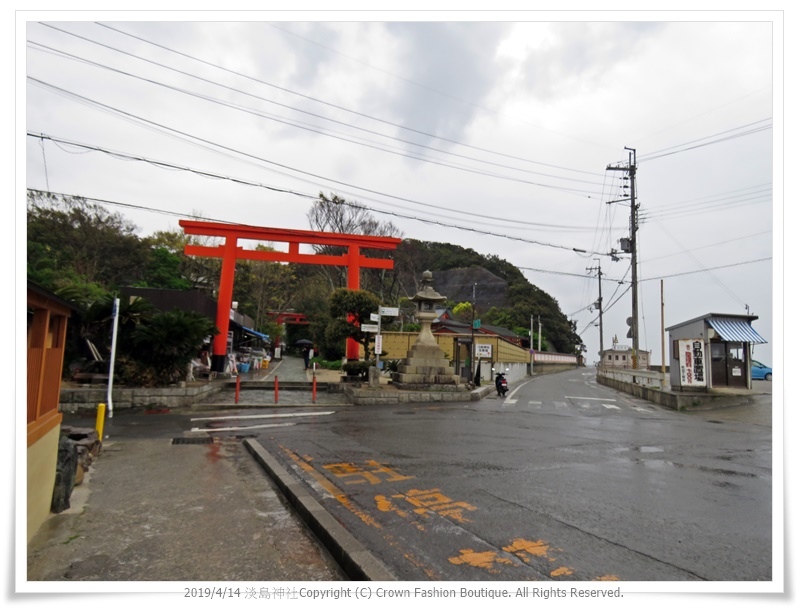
x,y
612,406
233,418
572,397
281,415
216,429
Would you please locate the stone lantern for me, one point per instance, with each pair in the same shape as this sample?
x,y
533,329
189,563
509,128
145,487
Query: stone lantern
x,y
426,364
426,300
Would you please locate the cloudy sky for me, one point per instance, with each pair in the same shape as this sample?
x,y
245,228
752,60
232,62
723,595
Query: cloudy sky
x,y
494,134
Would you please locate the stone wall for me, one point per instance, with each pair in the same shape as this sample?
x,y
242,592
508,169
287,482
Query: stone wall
x,y
74,400
676,401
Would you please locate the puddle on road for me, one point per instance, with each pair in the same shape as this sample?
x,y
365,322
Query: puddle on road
x,y
663,464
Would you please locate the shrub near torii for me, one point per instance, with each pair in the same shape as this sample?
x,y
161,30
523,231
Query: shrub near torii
x,y
349,310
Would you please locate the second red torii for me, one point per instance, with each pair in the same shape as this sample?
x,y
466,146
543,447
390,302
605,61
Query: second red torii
x,y
230,251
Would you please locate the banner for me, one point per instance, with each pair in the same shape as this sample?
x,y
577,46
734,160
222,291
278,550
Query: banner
x,y
692,363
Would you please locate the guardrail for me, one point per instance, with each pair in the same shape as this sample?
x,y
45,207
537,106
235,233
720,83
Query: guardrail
x,y
645,378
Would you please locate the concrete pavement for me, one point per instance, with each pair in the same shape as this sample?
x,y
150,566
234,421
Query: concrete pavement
x,y
152,509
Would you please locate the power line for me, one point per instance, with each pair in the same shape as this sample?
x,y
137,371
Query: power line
x,y
652,157
767,232
310,98
667,215
714,197
565,273
443,94
763,120
184,215
355,206
711,268
320,132
208,174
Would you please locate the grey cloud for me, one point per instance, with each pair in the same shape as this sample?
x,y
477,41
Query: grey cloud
x,y
454,63
584,53
308,58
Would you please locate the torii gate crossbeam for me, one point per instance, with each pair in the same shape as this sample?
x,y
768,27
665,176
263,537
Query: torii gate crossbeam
x,y
230,251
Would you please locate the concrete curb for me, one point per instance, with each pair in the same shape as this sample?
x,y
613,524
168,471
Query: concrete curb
x,y
347,551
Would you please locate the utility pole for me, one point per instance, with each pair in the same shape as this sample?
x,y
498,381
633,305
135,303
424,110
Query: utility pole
x,y
634,331
599,302
472,370
663,343
539,317
530,344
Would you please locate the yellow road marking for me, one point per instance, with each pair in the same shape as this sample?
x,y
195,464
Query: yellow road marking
x,y
481,560
520,547
340,496
561,571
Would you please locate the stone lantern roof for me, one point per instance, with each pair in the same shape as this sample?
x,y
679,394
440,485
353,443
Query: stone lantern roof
x,y
427,293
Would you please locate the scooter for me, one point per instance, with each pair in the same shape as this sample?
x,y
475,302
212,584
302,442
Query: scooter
x,y
501,384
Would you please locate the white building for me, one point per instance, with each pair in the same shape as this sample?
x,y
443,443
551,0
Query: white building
x,y
621,356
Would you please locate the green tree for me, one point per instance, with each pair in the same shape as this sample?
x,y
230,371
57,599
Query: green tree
x,y
200,273
163,270
96,322
464,312
263,287
168,342
349,310
72,242
312,298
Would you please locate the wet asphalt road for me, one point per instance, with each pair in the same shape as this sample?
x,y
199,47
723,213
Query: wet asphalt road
x,y
561,480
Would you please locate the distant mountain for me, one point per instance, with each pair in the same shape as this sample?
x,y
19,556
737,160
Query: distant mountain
x,y
457,284
503,296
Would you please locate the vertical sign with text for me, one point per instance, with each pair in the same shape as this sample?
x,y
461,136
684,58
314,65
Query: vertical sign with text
x,y
692,363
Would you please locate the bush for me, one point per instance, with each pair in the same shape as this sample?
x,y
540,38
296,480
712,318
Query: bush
x,y
360,369
327,365
166,343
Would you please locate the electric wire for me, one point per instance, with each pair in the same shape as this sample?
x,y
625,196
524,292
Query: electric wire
x,y
323,133
426,87
657,153
395,125
165,165
310,98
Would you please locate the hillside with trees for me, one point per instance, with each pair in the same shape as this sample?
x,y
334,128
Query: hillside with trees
x,y
86,254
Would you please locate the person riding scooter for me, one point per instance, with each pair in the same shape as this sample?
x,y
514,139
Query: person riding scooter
x,y
501,384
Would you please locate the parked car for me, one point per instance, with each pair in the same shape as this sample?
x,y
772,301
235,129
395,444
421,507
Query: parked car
x,y
760,372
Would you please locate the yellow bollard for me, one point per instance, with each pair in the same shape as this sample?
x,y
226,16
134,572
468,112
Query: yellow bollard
x,y
101,415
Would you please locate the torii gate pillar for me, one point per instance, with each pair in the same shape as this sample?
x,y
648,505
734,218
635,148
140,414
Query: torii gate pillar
x,y
230,250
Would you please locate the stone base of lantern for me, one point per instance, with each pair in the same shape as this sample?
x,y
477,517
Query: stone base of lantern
x,y
426,367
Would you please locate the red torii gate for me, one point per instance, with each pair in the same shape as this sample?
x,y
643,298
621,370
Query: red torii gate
x,y
286,317
229,251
